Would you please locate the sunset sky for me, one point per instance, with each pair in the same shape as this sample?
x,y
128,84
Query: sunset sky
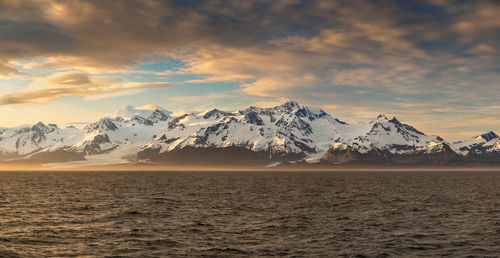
x,y
433,64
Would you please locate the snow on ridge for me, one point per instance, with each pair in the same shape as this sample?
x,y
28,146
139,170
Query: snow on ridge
x,y
391,135
285,128
129,112
484,143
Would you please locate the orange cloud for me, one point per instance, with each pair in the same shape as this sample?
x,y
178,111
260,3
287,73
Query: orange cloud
x,y
358,54
45,89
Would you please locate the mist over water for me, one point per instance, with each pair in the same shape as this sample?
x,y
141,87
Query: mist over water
x,y
250,213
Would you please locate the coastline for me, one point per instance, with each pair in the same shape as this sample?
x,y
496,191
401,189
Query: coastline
x,y
139,166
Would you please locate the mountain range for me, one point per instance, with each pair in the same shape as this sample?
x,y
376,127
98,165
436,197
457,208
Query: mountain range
x,y
286,134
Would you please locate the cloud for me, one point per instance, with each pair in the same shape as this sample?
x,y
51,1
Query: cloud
x,y
8,71
75,83
149,107
115,94
232,41
69,78
362,55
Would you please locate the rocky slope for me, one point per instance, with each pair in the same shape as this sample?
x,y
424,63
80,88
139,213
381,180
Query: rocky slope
x,y
482,147
389,140
285,132
118,136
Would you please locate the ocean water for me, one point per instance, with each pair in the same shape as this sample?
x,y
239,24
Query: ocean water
x,y
351,214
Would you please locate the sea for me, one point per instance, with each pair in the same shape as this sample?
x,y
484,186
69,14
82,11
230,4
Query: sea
x,y
255,214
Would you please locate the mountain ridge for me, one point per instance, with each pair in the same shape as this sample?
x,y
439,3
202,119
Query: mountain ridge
x,y
286,133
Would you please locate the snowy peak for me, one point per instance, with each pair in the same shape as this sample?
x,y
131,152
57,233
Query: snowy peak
x,y
155,117
105,124
151,113
312,114
383,121
126,112
290,105
214,114
381,117
395,121
292,108
486,143
41,128
281,130
488,136
300,111
286,132
391,136
26,140
253,118
436,147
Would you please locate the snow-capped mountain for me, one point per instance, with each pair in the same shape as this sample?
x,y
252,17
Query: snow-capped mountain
x,y
141,115
254,135
28,140
285,132
387,139
487,145
119,137
392,136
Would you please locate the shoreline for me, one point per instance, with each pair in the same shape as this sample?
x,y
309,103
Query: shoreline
x,y
134,166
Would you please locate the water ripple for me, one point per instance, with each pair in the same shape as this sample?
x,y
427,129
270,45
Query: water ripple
x,y
355,214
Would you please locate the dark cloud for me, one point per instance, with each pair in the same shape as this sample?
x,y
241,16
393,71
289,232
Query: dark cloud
x,y
110,33
27,10
20,40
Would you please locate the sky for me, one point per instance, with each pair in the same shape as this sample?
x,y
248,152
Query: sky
x,y
434,64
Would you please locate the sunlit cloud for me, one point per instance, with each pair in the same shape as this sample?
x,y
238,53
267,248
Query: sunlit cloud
x,y
115,94
45,89
359,56
9,71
